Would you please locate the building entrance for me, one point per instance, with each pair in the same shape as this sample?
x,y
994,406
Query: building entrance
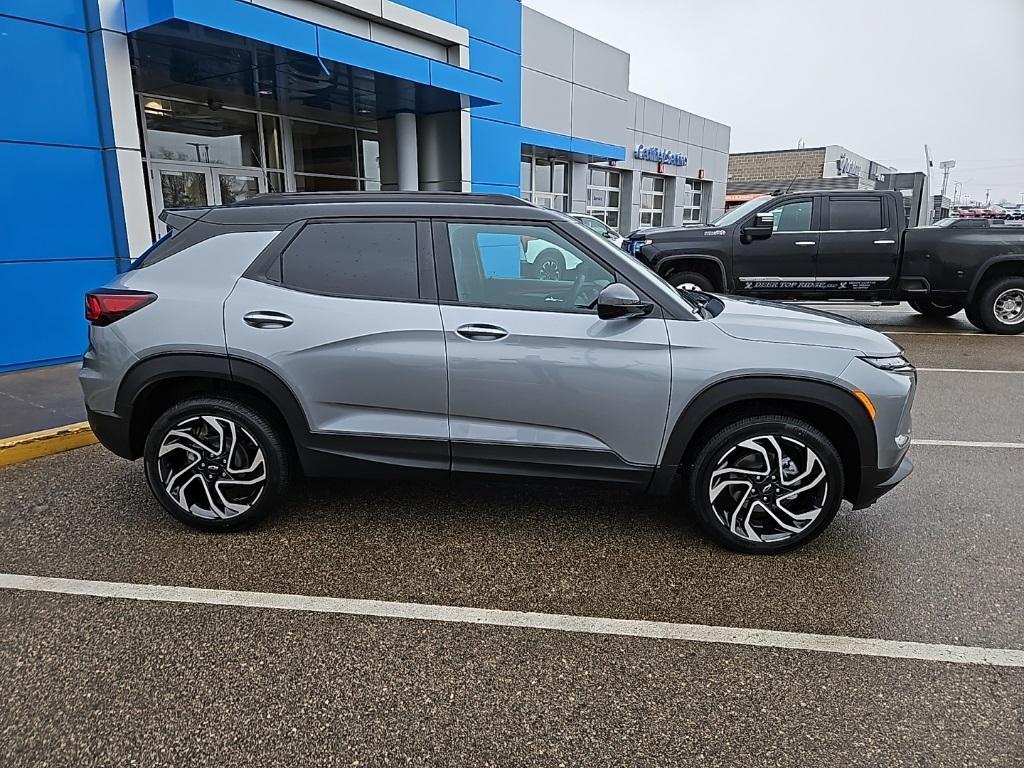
x,y
179,185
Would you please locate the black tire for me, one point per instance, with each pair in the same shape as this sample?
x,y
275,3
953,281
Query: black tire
x,y
692,278
932,308
549,265
983,313
253,431
787,431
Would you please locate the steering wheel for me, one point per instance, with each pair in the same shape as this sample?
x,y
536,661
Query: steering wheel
x,y
578,283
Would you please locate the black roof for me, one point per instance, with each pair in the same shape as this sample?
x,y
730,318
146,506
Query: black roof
x,y
286,207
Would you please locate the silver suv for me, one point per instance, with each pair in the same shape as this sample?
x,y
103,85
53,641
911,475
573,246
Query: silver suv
x,y
365,334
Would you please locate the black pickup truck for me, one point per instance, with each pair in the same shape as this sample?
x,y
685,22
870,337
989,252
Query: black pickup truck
x,y
849,245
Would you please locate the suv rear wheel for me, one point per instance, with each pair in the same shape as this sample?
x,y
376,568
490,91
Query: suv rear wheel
x,y
216,463
766,484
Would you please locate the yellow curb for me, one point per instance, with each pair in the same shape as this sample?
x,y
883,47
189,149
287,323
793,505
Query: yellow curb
x,y
14,450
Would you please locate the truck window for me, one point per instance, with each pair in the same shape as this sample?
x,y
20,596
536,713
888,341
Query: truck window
x,y
792,217
854,214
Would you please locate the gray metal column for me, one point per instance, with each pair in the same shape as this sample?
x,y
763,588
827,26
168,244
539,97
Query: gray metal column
x,y
406,149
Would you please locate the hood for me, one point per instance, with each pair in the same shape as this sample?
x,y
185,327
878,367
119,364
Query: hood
x,y
680,232
755,320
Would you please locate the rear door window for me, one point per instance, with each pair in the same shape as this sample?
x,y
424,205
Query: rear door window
x,y
855,214
358,259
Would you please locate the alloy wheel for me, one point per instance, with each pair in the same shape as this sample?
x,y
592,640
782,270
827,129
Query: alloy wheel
x,y
1008,306
211,467
549,269
768,488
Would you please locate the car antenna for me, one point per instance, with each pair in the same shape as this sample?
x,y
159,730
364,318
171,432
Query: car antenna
x,y
790,186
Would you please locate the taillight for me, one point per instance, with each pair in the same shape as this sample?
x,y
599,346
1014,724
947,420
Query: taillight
x,y
107,305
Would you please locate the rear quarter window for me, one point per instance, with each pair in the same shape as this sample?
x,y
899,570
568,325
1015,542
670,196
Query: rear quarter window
x,y
374,260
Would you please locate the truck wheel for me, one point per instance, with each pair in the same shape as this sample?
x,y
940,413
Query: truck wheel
x,y
691,280
1000,307
766,484
932,308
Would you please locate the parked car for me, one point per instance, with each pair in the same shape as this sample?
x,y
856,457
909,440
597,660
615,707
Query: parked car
x,y
599,228
364,334
848,245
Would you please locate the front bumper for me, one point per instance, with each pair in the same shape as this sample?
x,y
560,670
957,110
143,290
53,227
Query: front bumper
x,y
875,483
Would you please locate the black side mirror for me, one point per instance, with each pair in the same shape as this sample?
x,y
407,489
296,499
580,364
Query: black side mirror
x,y
618,300
761,228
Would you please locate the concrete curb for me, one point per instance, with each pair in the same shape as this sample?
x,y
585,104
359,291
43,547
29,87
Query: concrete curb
x,y
14,450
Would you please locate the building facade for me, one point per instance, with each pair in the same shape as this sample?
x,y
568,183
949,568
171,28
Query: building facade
x,y
134,106
830,167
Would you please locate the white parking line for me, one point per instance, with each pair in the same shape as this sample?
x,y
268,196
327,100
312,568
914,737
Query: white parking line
x,y
967,370
978,334
966,443
698,633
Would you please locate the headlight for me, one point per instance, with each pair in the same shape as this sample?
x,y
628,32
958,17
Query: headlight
x,y
895,363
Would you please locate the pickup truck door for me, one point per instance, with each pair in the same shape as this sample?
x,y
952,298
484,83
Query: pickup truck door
x,y
782,264
859,246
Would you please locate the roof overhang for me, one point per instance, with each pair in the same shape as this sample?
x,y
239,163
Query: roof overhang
x,y
267,26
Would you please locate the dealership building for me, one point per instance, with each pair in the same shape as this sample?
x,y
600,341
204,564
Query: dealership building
x,y
118,109
830,167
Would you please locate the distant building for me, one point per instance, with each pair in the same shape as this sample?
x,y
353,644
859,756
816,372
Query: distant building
x,y
830,167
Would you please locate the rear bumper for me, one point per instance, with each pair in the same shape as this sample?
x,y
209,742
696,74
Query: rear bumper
x,y
113,432
875,482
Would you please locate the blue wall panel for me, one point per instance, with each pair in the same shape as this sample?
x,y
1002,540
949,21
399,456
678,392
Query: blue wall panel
x,y
48,86
57,208
505,65
442,9
496,21
47,297
495,152
67,13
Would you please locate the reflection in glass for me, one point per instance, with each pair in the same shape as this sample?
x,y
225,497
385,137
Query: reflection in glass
x,y
369,157
235,188
272,141
275,182
195,133
183,189
324,184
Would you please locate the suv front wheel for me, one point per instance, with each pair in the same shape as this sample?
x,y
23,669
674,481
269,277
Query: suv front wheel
x,y
766,484
216,463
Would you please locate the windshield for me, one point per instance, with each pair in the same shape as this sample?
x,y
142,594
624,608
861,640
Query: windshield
x,y
735,214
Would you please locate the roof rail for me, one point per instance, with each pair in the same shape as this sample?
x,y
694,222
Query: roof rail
x,y
312,198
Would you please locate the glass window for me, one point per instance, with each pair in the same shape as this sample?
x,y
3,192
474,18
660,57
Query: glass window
x,y
323,149
523,267
358,259
275,182
369,157
272,141
559,177
792,217
194,133
854,214
525,175
324,184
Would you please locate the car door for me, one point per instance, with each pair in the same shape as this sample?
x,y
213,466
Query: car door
x,y
345,312
783,264
537,383
859,250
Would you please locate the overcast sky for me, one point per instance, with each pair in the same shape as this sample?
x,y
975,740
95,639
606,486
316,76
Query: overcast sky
x,y
880,77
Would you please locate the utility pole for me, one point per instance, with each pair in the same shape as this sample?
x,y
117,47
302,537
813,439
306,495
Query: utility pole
x,y
946,166
987,191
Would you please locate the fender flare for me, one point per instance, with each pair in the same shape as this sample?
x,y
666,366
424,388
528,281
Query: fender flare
x,y
164,366
979,277
667,261
737,389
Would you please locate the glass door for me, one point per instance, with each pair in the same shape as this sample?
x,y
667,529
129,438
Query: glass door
x,y
178,186
195,186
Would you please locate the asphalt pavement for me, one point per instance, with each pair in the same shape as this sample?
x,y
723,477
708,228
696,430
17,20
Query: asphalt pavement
x,y
101,681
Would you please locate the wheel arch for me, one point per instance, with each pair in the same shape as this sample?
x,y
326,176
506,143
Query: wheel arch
x,y
154,381
1006,265
830,408
705,264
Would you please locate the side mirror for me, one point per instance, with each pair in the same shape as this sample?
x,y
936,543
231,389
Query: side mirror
x,y
764,224
618,300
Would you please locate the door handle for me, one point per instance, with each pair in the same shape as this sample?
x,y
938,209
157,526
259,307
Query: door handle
x,y
885,242
481,332
804,242
268,319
